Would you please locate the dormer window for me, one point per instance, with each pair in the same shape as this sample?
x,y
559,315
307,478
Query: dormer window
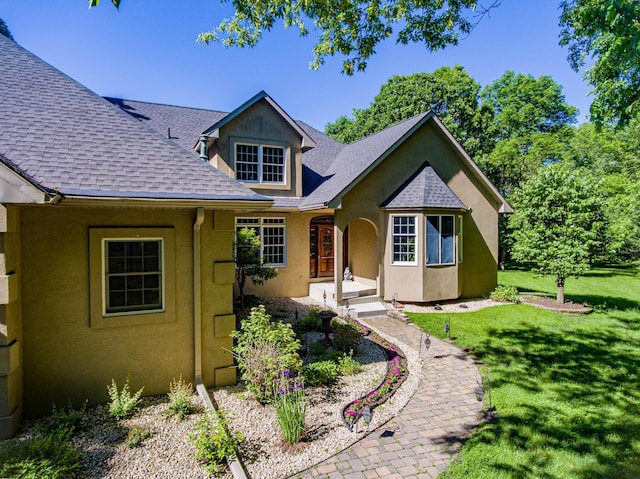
x,y
260,163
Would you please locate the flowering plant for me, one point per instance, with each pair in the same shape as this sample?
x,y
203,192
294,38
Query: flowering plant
x,y
290,406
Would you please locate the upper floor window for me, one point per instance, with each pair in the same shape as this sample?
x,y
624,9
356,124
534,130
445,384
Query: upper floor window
x,y
440,240
404,240
260,163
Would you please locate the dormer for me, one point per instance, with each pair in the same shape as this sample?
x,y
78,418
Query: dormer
x,y
259,145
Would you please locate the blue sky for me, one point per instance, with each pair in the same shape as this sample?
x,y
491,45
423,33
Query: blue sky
x,y
147,51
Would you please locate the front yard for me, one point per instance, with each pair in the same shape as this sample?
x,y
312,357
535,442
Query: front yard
x,y
566,388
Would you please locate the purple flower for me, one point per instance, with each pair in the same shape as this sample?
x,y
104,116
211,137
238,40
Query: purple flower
x,y
286,374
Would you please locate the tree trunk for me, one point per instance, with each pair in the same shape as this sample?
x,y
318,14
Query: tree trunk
x,y
560,285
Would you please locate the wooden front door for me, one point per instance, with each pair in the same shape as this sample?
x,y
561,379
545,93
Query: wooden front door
x,y
325,250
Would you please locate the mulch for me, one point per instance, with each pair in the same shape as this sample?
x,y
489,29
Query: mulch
x,y
546,302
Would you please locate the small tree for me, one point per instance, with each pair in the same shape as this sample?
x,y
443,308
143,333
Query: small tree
x,y
558,222
248,261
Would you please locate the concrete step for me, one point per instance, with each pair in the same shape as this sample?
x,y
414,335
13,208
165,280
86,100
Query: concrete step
x,y
368,309
372,298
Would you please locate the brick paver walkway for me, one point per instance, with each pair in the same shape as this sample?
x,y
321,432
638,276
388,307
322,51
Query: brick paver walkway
x,y
421,440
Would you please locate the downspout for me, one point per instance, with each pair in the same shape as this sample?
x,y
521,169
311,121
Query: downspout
x,y
235,466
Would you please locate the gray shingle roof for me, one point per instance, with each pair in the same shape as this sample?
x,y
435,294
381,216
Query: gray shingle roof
x,y
67,138
185,124
356,159
425,189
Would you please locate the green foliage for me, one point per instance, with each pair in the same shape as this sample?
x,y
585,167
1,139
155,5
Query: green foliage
x,y
263,349
345,337
42,455
558,222
248,261
311,321
179,398
505,294
321,373
608,32
349,366
213,442
318,348
137,435
68,419
451,93
122,402
351,28
290,407
4,30
566,388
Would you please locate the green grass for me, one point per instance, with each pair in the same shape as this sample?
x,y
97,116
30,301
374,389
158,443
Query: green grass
x,y
567,388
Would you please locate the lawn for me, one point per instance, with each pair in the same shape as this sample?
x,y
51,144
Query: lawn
x,y
566,388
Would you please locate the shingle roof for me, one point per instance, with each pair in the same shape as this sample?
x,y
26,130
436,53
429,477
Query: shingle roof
x,y
67,138
356,159
183,123
425,189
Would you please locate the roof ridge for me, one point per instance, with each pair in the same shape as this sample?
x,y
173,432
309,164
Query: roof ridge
x,y
395,125
109,98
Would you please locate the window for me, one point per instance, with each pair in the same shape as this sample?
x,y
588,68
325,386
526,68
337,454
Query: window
x,y
404,240
440,236
133,275
260,163
460,220
272,235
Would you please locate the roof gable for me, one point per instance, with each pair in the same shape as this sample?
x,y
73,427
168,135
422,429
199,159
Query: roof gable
x,y
68,139
424,189
306,141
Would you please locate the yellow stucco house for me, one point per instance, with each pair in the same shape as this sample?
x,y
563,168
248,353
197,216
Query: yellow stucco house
x,y
117,220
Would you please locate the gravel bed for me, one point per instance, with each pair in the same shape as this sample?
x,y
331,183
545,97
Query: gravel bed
x,y
168,452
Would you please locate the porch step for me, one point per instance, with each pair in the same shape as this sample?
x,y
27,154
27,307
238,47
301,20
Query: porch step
x,y
368,309
361,293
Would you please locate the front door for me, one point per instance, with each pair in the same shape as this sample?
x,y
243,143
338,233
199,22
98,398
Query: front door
x,y
321,248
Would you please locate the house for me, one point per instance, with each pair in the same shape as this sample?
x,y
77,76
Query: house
x,y
117,220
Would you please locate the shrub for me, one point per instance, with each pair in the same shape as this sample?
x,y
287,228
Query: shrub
x,y
348,366
179,398
290,407
263,349
42,455
62,419
137,435
505,294
345,337
122,402
317,348
311,322
213,442
321,373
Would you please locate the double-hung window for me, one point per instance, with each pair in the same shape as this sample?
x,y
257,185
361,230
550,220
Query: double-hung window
x,y
404,240
272,235
440,240
260,163
133,275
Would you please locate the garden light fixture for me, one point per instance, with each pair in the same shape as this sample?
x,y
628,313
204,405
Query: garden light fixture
x,y
427,343
447,327
484,389
366,414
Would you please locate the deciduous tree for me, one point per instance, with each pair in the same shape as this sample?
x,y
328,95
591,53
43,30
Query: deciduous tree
x,y
249,264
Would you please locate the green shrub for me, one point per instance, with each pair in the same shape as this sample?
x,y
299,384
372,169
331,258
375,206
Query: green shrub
x,y
505,294
290,407
311,322
66,419
317,348
213,442
179,398
345,337
42,455
122,402
321,373
137,435
348,366
263,349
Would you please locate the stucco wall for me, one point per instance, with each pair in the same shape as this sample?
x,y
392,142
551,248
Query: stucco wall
x,y
421,283
64,357
261,124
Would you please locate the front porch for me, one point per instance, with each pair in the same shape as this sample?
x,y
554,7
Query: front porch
x,y
363,299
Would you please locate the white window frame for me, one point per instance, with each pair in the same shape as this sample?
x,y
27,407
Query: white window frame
x,y
260,224
413,235
261,162
106,276
460,238
453,243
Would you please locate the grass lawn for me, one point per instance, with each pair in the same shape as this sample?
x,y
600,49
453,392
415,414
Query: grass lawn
x,y
567,389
